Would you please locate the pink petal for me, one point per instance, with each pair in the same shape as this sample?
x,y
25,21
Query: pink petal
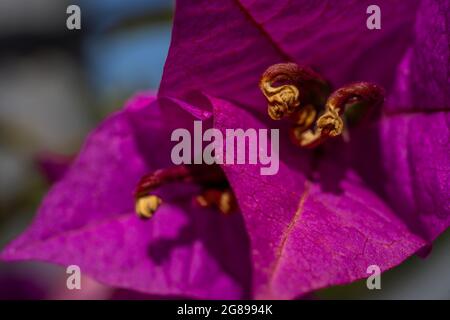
x,y
414,135
416,156
423,80
222,47
311,230
88,219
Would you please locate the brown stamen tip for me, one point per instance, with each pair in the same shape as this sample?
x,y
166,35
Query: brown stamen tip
x,y
146,204
288,86
224,200
160,177
365,93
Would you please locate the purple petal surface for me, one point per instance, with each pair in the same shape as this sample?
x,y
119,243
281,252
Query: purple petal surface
x,y
222,47
423,80
88,219
307,230
413,162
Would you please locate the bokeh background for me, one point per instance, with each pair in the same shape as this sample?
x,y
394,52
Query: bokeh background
x,y
57,84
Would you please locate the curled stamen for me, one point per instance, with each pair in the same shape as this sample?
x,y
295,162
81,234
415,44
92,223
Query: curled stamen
x,y
146,203
301,94
287,87
331,123
355,93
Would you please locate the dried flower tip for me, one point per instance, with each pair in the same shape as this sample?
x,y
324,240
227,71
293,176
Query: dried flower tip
x,y
146,206
287,87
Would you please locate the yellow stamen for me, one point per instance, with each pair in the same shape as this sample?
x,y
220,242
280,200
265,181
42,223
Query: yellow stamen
x,y
224,200
227,202
146,206
289,87
329,124
319,115
283,100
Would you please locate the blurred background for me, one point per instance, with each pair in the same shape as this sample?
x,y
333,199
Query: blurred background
x,y
57,84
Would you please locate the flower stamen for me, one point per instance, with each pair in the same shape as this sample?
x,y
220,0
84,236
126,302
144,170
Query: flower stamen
x,y
209,176
146,206
222,199
316,118
282,85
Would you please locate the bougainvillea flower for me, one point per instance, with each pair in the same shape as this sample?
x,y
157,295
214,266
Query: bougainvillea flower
x,y
390,180
327,214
